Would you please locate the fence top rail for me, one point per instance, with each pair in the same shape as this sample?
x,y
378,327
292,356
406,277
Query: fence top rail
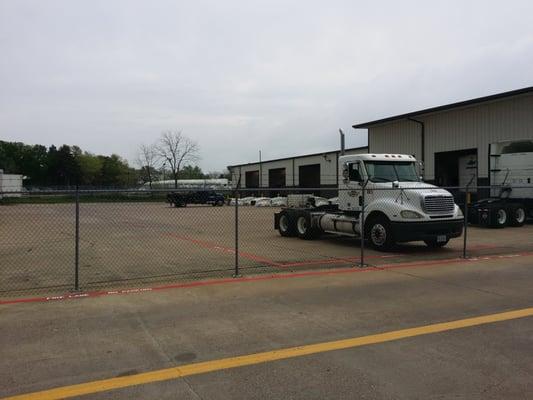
x,y
300,190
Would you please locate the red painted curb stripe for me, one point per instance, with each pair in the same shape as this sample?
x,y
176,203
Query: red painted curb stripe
x,y
418,264
214,246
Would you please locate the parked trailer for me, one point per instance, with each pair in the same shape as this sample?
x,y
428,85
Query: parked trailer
x,y
398,206
511,175
181,199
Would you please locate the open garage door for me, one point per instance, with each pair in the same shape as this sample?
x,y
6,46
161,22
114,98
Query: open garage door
x,y
276,177
457,169
309,176
252,179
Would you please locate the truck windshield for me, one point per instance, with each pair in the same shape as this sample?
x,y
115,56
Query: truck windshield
x,y
390,171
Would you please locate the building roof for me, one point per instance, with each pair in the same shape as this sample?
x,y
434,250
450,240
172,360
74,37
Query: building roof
x,y
447,107
301,156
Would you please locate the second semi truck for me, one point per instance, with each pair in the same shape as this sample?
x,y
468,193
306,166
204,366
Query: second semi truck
x,y
511,179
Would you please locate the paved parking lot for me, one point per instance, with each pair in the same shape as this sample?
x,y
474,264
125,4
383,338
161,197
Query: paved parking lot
x,y
438,330
135,244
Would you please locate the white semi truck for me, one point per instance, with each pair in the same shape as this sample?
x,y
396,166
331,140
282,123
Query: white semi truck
x,y
399,207
511,179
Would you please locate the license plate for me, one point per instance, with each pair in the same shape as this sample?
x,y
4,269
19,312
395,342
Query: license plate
x,y
441,238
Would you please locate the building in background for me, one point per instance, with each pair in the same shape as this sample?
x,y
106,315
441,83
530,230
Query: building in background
x,y
10,185
312,171
453,140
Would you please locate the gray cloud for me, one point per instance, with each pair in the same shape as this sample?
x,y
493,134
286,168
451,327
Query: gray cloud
x,y
239,76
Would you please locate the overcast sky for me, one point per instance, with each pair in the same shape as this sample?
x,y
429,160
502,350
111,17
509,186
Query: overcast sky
x,y
240,76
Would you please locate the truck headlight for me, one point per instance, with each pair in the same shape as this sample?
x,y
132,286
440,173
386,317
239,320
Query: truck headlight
x,y
460,212
410,214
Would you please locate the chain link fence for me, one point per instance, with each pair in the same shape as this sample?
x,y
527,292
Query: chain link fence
x,y
70,240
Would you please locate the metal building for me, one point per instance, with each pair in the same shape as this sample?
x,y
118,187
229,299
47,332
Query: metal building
x,y
453,140
10,185
319,170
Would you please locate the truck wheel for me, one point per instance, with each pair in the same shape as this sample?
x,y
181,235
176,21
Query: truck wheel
x,y
304,230
499,217
286,227
378,232
517,215
433,244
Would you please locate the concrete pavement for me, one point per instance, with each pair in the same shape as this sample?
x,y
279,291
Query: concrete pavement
x,y
54,344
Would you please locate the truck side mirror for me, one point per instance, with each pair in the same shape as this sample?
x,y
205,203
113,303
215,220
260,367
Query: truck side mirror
x,y
345,172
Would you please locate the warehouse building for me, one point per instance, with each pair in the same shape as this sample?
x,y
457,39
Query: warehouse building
x,y
453,140
317,171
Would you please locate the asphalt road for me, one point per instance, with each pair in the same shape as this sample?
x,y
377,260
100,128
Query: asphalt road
x,y
57,344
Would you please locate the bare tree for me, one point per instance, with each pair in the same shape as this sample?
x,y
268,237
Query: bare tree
x,y
176,149
147,159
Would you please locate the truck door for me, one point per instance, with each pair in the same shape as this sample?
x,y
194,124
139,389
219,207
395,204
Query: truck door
x,y
350,191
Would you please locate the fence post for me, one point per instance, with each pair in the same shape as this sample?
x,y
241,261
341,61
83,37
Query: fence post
x,y
77,240
236,274
362,227
465,223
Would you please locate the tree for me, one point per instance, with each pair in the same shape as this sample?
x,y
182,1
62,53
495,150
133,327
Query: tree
x,y
90,168
177,150
63,168
190,172
147,160
115,171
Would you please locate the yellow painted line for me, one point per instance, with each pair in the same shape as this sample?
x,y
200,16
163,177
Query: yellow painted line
x,y
267,356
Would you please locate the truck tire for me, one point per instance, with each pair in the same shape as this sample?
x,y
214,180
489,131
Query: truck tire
x,y
433,244
304,230
499,217
287,225
517,215
378,232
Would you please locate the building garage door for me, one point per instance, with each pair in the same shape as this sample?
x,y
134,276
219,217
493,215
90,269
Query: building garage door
x,y
276,177
252,179
456,168
309,176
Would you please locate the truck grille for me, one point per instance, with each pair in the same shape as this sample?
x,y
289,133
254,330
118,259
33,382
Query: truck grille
x,y
439,204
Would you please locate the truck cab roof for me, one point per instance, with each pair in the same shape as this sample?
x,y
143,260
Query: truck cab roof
x,y
377,157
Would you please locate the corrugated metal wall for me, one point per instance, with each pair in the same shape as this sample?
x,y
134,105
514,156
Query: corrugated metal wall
x,y
459,129
327,161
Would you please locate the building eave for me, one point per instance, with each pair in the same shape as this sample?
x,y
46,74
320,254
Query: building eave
x,y
451,106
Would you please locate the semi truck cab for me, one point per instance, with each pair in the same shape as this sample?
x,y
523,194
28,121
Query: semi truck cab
x,y
383,195
511,179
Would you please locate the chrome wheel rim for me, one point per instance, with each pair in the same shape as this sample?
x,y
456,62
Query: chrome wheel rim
x,y
520,215
502,216
378,234
302,225
284,223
